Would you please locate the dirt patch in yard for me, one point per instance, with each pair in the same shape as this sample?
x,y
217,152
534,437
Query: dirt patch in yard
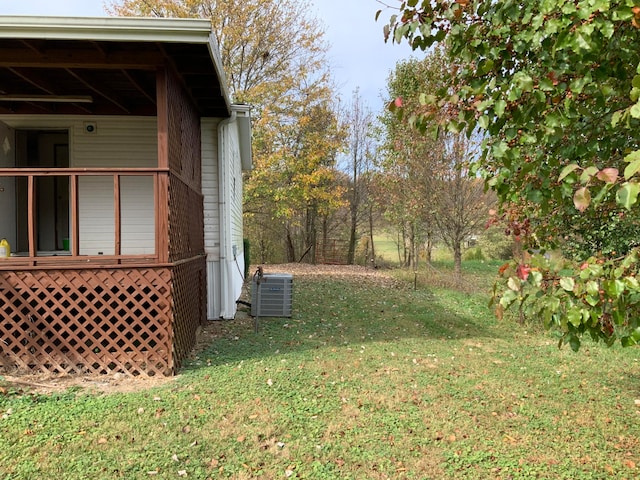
x,y
121,383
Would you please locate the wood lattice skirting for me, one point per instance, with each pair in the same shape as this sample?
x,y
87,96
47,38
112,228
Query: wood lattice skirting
x,y
140,321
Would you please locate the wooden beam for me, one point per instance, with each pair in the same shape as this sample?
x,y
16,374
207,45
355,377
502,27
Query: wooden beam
x,y
43,85
108,96
39,83
162,185
143,59
162,107
139,87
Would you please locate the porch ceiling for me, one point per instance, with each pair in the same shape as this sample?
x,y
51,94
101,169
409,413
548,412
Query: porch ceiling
x,y
119,77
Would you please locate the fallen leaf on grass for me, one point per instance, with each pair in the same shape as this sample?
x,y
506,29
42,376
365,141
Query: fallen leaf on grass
x,y
102,441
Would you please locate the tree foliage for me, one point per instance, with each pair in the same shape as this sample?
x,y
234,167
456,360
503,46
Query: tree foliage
x,y
264,44
358,129
432,172
407,161
556,86
295,182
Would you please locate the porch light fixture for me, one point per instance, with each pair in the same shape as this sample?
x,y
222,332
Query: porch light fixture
x,y
47,98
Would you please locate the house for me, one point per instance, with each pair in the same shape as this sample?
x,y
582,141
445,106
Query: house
x,y
121,159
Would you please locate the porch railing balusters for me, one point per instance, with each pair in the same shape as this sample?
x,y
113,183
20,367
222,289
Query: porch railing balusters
x,y
73,174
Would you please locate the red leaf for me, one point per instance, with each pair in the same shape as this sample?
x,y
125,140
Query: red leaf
x,y
522,271
398,102
608,175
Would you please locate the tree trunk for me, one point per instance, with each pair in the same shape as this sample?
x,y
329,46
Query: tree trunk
x,y
373,250
351,255
325,238
457,260
311,234
291,249
428,248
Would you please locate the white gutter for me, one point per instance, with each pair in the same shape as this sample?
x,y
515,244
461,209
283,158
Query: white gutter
x,y
227,302
133,29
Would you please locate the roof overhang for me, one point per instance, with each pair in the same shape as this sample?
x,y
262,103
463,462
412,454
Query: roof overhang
x,y
50,61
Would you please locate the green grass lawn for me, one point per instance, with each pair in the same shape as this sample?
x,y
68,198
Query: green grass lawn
x,y
366,381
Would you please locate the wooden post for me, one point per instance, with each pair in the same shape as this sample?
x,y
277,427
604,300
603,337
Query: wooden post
x,y
162,186
117,214
75,217
31,221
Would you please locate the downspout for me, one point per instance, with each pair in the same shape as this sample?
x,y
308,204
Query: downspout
x,y
224,202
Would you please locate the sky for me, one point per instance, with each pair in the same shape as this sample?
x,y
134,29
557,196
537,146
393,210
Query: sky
x,y
358,56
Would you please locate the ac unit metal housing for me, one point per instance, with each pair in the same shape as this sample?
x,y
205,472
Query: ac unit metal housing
x,y
273,296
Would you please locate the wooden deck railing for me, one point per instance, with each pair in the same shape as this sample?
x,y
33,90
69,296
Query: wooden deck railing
x,y
32,259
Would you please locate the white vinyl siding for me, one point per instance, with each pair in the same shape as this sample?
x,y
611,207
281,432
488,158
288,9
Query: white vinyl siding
x,y
138,217
235,179
209,145
96,213
116,142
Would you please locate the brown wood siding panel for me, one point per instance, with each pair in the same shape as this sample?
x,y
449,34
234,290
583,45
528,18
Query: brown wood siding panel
x,y
87,321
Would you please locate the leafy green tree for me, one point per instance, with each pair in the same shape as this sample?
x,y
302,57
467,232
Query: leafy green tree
x,y
295,176
407,161
448,202
555,85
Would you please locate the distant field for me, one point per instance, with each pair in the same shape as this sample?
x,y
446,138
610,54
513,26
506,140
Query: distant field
x,y
387,248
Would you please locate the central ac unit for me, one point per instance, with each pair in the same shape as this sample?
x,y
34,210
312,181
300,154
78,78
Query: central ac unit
x,y
271,295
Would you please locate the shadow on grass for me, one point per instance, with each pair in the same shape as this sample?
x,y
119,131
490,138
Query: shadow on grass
x,y
334,314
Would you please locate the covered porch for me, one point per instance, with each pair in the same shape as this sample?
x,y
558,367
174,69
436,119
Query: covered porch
x,y
100,186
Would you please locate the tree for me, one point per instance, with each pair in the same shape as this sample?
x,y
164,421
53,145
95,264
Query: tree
x,y
295,182
408,162
359,140
448,201
555,85
458,202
